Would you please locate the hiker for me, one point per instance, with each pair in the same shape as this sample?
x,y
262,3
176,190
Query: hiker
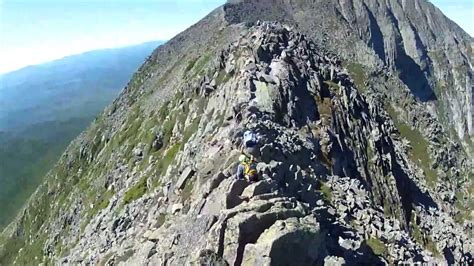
x,y
250,145
247,169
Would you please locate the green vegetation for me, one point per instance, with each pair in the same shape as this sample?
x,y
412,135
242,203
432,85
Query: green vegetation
x,y
102,202
45,107
358,74
163,111
464,204
203,60
168,129
377,246
136,191
160,220
104,260
437,55
197,64
370,152
419,152
386,210
191,129
222,77
332,85
326,191
324,106
191,64
168,158
423,239
27,156
83,170
32,222
125,256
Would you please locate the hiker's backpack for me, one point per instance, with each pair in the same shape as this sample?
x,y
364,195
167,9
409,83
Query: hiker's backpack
x,y
250,138
250,171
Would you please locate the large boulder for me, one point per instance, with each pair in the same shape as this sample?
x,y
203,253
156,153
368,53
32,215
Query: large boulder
x,y
292,241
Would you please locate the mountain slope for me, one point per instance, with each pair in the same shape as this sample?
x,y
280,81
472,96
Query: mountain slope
x,y
431,53
44,107
150,181
410,56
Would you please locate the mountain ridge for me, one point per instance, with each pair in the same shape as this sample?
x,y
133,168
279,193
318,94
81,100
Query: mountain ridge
x,y
333,135
75,56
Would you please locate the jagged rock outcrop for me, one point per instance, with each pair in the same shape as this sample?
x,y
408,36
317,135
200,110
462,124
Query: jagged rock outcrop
x,y
152,180
431,53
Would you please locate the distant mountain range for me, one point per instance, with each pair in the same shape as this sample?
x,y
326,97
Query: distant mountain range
x,y
43,107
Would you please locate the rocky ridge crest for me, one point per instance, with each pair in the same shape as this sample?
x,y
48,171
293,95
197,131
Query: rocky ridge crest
x,y
337,177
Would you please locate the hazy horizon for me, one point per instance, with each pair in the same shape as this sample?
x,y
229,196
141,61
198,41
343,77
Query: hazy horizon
x,y
34,32
158,43
38,32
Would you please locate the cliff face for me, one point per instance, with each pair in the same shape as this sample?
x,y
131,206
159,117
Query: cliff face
x,y
355,166
430,53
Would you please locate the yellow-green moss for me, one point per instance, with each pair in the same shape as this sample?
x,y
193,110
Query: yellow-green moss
x,y
168,158
419,152
424,240
136,191
358,74
222,77
326,192
377,246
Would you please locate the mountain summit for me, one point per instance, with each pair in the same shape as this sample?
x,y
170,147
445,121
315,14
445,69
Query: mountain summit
x,y
364,150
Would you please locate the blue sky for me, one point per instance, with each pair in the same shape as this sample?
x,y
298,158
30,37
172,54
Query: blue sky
x,y
36,31
460,11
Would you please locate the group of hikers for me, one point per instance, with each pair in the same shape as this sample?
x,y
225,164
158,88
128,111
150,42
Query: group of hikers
x,y
247,168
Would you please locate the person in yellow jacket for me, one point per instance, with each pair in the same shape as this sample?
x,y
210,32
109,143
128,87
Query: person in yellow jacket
x,y
247,169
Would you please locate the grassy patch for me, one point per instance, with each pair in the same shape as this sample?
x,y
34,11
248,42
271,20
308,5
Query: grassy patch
x,y
201,62
325,190
437,55
104,260
222,77
136,191
168,127
419,151
324,109
102,202
31,237
191,64
168,73
358,74
464,206
377,246
332,85
25,253
160,220
125,256
163,111
190,130
165,162
423,239
197,64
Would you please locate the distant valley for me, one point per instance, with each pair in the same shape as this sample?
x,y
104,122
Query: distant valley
x,y
43,107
